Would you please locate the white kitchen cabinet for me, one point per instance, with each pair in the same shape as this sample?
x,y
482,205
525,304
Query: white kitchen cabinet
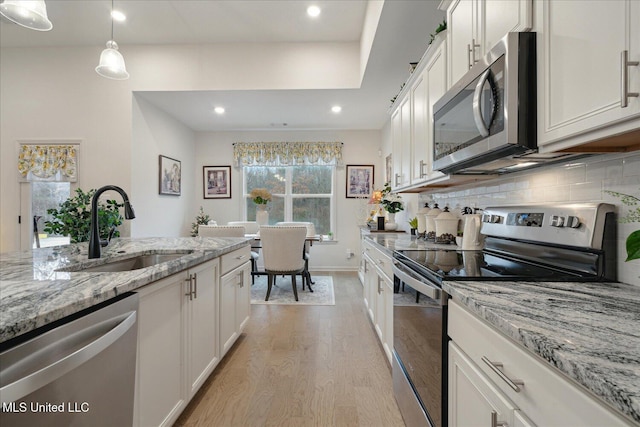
x,y
427,90
160,383
177,346
378,293
581,76
401,137
473,399
411,121
235,304
538,395
474,27
201,332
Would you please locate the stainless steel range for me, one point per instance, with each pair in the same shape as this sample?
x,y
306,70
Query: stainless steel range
x,y
569,242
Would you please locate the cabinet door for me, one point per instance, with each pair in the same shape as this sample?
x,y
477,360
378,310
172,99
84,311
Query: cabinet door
x,y
380,311
388,316
460,37
580,73
405,174
234,301
396,142
472,397
370,288
160,389
243,300
421,137
437,85
203,324
499,17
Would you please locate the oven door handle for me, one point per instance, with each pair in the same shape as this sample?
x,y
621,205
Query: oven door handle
x,y
418,283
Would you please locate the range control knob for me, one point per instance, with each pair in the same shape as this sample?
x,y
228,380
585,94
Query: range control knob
x,y
557,221
573,221
493,219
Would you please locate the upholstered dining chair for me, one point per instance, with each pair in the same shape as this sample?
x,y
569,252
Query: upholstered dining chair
x,y
311,232
282,248
250,227
229,231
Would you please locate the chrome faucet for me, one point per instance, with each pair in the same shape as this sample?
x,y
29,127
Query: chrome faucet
x,y
94,234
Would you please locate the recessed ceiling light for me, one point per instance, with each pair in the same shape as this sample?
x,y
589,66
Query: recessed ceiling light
x,y
219,110
336,108
118,16
313,11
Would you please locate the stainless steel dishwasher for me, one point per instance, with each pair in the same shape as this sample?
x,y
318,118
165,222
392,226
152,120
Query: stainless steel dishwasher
x,y
79,371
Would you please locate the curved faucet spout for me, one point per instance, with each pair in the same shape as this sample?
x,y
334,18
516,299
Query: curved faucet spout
x,y
94,234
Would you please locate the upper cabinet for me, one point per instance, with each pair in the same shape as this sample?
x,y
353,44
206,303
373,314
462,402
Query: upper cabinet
x,y
412,116
588,75
474,26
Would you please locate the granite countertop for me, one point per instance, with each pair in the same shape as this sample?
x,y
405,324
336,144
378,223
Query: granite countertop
x,y
33,292
589,331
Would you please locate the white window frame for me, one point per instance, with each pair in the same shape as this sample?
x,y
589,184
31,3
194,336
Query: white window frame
x,y
289,196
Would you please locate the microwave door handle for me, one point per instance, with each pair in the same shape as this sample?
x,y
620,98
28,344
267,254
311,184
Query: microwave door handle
x,y
477,108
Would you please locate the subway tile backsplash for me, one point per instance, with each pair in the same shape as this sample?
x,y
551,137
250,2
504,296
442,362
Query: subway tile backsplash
x,y
584,181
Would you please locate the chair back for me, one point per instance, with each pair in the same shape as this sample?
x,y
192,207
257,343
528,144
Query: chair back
x,y
221,231
282,247
311,228
250,227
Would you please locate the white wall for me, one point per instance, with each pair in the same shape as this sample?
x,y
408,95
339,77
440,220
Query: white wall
x,y
54,93
360,147
156,133
585,182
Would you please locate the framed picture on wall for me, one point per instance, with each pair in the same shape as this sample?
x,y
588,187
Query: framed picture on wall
x,y
359,181
216,182
170,176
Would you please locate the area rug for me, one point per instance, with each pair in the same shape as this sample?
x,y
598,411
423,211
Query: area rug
x,y
281,293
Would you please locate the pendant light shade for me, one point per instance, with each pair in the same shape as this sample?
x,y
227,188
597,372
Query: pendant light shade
x,y
28,13
111,63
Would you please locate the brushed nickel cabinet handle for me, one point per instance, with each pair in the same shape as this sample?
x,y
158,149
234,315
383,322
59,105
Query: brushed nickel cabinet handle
x,y
469,63
422,172
624,68
495,422
190,292
495,367
195,285
474,45
396,178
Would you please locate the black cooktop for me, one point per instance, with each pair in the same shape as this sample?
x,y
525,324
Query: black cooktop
x,y
452,264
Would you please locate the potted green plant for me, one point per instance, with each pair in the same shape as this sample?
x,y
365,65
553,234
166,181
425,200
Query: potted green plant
x,y
73,217
413,223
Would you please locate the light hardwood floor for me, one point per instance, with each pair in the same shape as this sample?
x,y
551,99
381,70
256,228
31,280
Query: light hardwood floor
x,y
302,366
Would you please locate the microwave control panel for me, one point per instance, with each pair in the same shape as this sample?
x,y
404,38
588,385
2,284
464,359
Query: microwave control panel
x,y
525,219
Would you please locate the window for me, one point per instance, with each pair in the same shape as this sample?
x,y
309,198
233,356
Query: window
x,y
47,195
299,193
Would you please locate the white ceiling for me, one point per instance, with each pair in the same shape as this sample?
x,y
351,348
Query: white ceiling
x,y
401,37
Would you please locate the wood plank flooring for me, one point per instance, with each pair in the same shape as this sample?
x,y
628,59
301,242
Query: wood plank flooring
x,y
302,366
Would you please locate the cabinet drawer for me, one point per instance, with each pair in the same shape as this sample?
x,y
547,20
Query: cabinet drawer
x,y
380,259
547,396
234,259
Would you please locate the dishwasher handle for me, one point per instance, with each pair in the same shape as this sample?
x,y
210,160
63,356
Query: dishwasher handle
x,y
47,374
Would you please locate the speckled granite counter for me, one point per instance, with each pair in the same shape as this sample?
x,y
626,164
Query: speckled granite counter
x,y
33,292
588,331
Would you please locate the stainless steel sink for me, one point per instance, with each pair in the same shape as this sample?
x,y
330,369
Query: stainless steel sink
x,y
128,264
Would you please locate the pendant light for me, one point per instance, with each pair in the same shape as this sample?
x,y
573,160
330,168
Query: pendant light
x,y
111,63
27,13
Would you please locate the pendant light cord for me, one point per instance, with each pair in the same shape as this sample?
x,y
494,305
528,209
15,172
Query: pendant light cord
x,y
111,16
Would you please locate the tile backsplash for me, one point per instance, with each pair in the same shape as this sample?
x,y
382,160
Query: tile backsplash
x,y
586,180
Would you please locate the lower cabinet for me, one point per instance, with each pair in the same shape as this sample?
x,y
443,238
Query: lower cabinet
x,y
186,323
493,381
235,303
378,294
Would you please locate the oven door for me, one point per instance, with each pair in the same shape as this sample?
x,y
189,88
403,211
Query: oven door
x,y
420,348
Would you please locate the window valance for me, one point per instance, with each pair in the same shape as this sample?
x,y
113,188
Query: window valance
x,y
48,162
287,153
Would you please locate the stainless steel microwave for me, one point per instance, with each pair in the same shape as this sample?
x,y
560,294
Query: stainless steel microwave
x,y
486,123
